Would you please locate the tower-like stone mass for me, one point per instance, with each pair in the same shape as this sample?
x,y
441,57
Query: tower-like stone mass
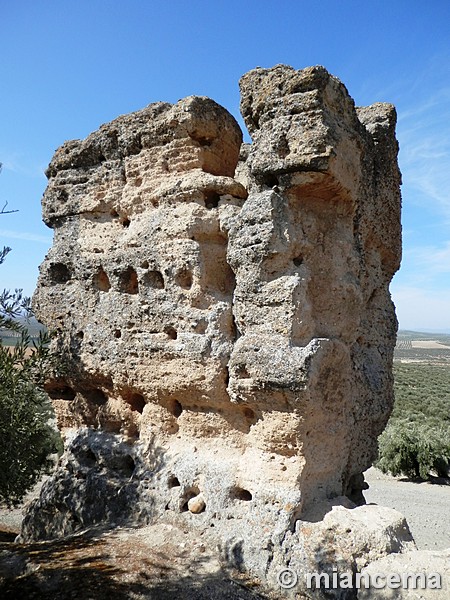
x,y
223,313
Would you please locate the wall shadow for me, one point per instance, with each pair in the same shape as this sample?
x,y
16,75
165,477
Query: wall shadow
x,y
98,564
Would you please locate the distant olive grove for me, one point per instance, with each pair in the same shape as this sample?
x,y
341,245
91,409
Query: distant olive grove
x,y
416,442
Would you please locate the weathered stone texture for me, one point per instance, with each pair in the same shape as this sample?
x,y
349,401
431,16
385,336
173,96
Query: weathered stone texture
x,y
423,575
231,314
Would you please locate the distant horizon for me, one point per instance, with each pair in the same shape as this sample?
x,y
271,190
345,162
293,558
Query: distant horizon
x,y
400,330
418,330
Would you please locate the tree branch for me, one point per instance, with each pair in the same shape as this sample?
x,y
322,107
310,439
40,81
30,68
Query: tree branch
x,y
6,212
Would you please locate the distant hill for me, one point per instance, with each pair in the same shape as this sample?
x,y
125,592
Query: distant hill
x,y
34,329
406,334
423,334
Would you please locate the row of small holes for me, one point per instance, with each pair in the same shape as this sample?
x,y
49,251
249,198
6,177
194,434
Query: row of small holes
x,y
96,396
128,279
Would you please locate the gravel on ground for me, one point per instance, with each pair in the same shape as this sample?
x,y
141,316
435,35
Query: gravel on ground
x,y
425,505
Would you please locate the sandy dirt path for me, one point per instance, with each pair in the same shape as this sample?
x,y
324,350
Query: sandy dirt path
x,y
426,506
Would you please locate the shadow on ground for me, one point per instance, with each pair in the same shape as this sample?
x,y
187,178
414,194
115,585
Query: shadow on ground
x,y
104,566
431,479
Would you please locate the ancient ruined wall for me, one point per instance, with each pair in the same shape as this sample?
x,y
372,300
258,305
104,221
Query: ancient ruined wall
x,y
137,284
228,332
314,249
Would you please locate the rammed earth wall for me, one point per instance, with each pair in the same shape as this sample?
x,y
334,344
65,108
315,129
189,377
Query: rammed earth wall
x,y
224,314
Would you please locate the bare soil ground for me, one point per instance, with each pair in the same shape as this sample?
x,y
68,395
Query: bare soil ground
x,y
153,563
429,344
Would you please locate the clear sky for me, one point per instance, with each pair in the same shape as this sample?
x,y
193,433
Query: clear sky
x,y
68,66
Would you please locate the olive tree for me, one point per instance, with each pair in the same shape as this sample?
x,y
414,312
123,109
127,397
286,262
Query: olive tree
x,y
27,437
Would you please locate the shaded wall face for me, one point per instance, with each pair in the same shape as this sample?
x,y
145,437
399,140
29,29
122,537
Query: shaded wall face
x,y
240,322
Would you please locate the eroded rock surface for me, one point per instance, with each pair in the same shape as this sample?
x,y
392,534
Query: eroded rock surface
x,y
224,313
418,575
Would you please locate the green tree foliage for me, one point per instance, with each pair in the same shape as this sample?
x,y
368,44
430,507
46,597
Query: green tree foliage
x,y
27,438
416,442
414,450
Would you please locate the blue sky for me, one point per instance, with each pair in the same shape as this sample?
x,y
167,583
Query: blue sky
x,y
67,67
